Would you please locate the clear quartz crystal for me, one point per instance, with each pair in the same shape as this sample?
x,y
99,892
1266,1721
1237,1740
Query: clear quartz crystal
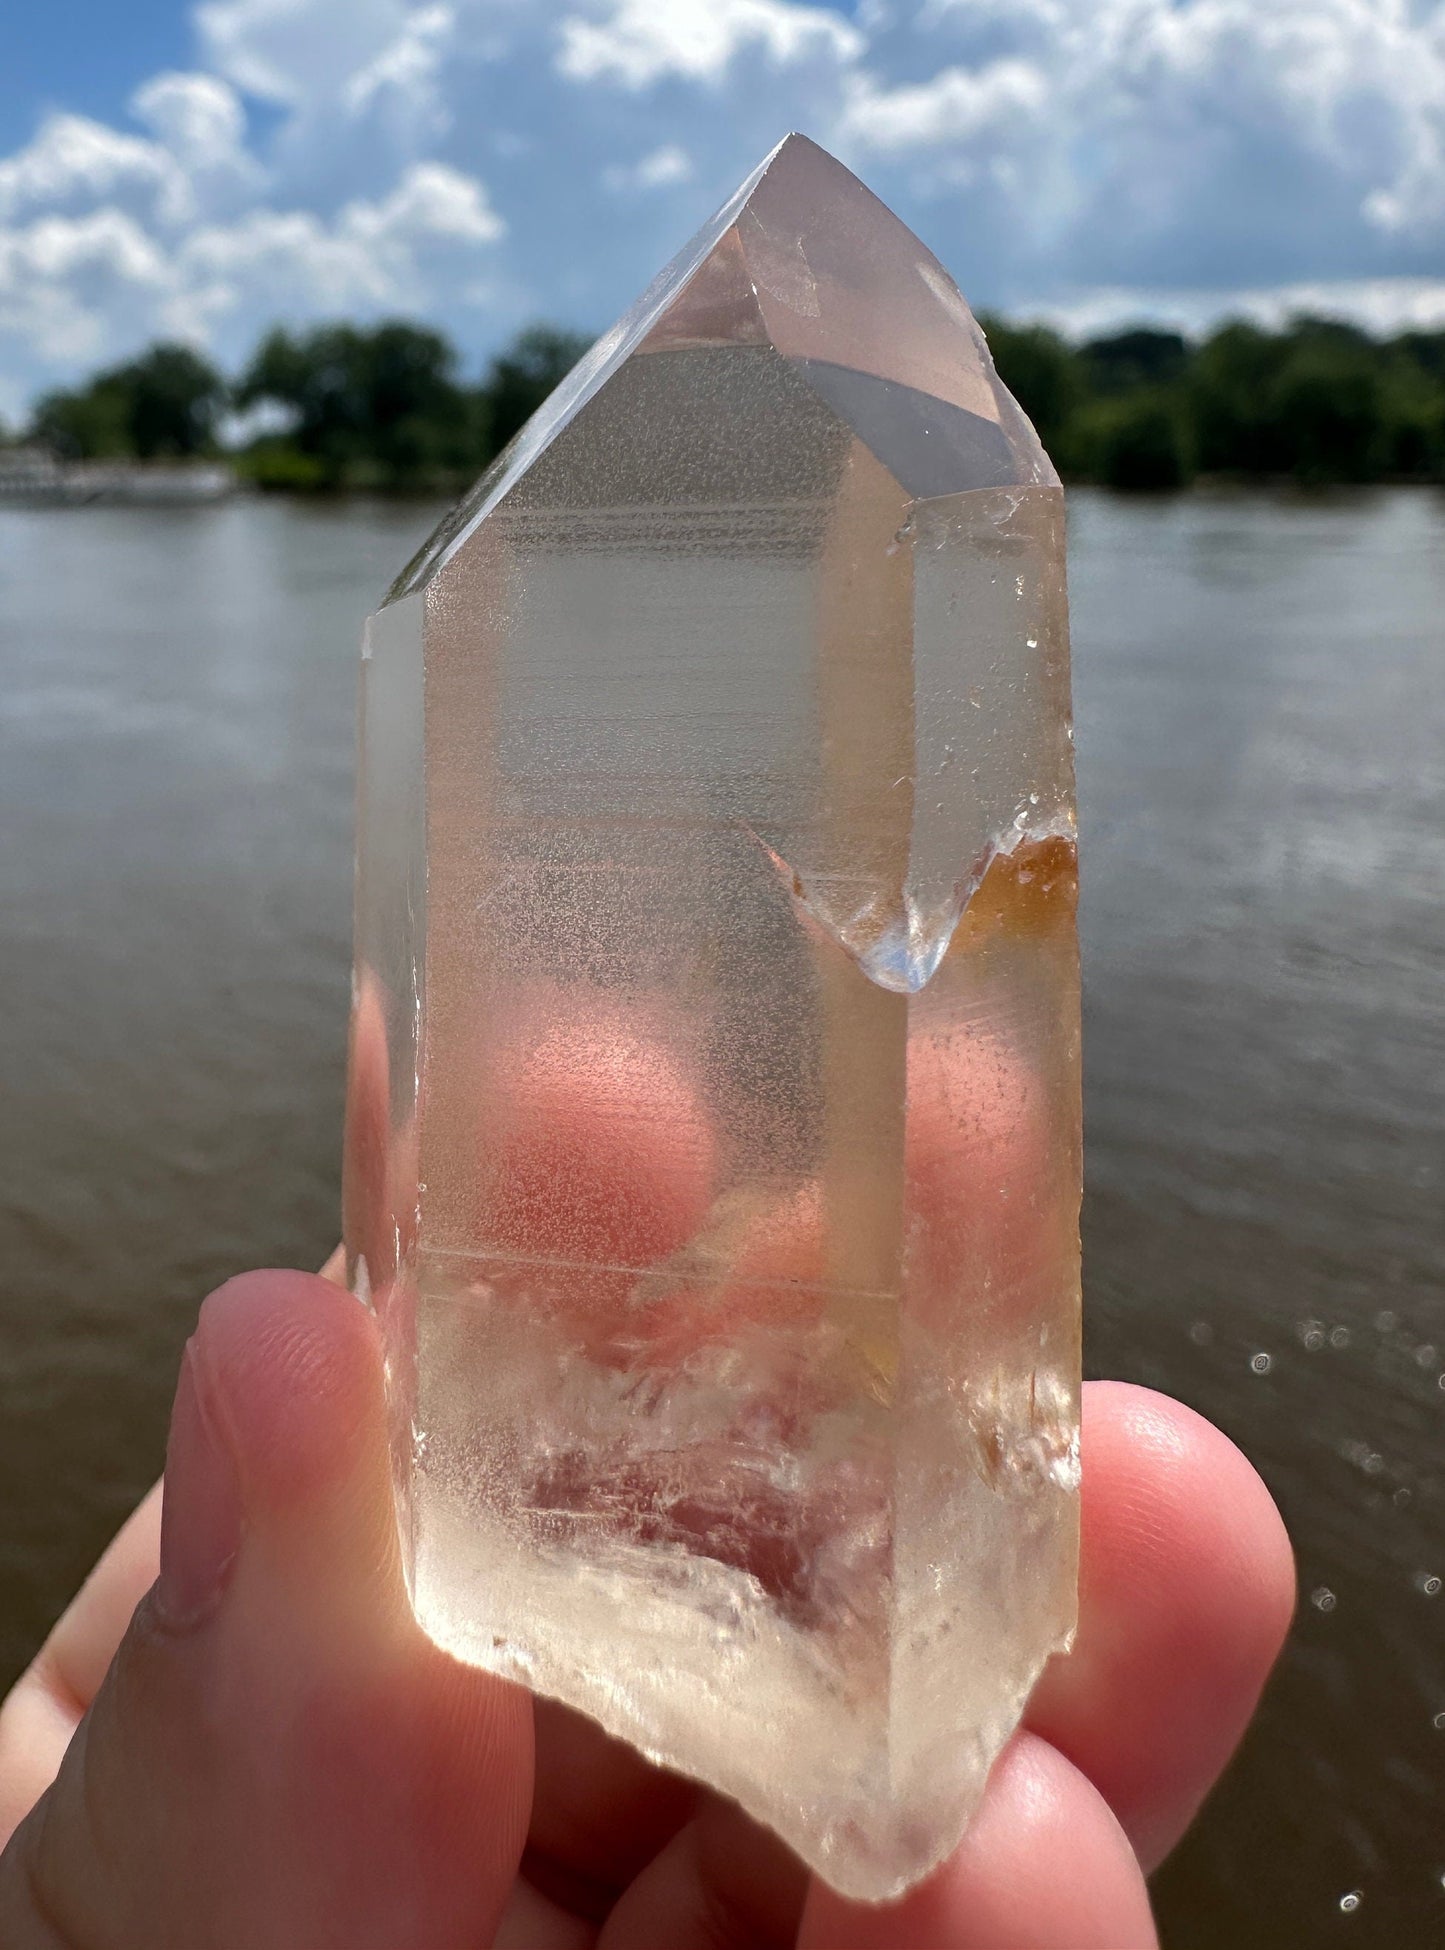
x,y
713,1131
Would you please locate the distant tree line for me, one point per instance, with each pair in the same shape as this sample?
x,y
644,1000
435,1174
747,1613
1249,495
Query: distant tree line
x,y
384,406
1319,401
338,407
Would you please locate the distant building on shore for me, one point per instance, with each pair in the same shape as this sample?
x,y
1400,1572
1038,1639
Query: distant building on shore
x,y
32,477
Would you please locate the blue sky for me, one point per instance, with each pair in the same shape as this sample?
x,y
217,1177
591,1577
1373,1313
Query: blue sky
x,y
206,169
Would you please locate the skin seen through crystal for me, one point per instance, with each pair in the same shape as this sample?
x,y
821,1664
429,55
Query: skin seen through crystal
x,y
713,1130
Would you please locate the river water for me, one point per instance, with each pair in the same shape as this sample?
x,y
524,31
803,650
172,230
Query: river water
x,y
1261,703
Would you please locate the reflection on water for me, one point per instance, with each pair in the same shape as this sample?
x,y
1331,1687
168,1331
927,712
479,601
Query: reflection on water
x,y
1262,752
1262,762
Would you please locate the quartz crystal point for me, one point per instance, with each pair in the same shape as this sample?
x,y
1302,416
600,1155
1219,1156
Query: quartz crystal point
x,y
713,1134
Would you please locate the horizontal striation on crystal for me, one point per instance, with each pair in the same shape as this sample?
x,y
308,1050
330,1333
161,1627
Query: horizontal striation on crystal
x,y
713,1128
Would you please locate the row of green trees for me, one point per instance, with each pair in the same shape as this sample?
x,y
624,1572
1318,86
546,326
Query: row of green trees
x,y
1320,401
385,407
348,407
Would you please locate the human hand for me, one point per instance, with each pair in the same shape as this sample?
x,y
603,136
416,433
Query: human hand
x,y
271,1756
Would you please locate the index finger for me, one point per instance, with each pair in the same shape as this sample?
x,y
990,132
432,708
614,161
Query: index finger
x,y
48,1700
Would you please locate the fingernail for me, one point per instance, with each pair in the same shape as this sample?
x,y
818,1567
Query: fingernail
x,y
201,1508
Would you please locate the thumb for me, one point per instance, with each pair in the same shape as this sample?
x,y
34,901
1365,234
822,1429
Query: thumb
x,y
278,1756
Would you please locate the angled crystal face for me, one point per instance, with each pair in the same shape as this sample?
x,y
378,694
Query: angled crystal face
x,y
713,1140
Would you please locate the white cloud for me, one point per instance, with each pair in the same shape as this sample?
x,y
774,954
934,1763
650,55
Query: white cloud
x,y
654,171
406,72
78,288
430,201
1353,88
638,42
66,281
198,118
1050,15
241,35
293,251
293,52
373,257
957,106
73,162
1381,305
1200,139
